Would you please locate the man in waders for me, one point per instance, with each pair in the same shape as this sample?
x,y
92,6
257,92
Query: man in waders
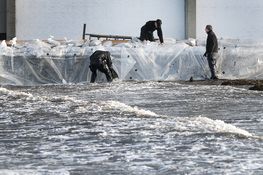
x,y
211,51
101,60
148,29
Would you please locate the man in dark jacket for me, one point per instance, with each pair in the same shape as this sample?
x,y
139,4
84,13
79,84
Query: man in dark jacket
x,y
148,29
101,60
211,51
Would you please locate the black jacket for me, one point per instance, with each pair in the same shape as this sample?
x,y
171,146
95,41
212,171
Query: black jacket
x,y
101,57
211,43
150,27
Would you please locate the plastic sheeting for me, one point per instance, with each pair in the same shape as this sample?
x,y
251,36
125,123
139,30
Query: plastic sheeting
x,y
39,62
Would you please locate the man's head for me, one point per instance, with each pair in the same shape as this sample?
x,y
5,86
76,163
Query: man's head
x,y
208,28
159,22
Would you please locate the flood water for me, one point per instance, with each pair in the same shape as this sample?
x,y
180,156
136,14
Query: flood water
x,y
131,128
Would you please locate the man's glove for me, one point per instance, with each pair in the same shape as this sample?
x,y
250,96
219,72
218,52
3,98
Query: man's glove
x,y
205,55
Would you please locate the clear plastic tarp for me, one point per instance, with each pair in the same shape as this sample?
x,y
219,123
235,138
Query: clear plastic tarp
x,y
54,62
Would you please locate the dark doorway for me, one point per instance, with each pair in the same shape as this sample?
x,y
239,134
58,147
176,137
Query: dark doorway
x,y
3,19
2,36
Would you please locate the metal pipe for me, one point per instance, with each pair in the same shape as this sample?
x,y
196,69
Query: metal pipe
x,y
84,32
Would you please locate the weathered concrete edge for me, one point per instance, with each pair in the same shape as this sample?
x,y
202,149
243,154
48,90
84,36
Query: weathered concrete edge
x,y
190,19
11,19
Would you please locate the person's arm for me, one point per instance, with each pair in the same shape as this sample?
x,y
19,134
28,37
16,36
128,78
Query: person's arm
x,y
108,58
160,34
214,38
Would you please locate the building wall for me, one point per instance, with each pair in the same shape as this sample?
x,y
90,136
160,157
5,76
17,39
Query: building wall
x,y
2,16
242,19
65,18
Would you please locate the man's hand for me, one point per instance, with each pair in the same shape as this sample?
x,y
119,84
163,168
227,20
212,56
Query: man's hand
x,y
205,55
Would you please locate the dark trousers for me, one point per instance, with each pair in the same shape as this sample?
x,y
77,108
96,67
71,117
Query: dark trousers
x,y
146,35
212,58
103,68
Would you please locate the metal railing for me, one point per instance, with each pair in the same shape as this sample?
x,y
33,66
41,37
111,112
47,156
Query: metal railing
x,y
107,37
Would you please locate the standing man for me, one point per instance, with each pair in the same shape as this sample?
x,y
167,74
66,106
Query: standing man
x,y
101,60
148,29
211,50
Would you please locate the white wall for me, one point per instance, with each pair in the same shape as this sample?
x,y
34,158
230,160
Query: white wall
x,y
65,18
242,19
2,16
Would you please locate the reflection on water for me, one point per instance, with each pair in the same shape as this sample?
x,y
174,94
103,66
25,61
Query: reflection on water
x,y
130,128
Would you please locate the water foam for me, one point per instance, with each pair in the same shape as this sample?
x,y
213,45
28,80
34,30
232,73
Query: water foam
x,y
188,125
28,96
126,108
33,172
217,126
195,124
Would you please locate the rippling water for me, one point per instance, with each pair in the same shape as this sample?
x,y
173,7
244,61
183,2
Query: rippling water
x,y
130,128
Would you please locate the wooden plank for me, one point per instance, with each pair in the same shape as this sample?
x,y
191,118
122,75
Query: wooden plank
x,y
116,37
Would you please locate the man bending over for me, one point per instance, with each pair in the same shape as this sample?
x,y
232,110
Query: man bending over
x,y
101,60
